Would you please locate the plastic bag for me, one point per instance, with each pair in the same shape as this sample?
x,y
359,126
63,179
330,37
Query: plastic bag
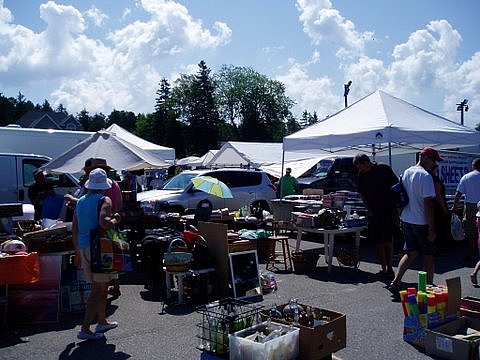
x,y
457,228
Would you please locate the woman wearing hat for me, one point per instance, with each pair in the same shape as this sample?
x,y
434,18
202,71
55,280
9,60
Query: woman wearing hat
x,y
86,218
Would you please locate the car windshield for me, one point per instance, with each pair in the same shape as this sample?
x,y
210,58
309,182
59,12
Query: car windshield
x,y
179,182
323,166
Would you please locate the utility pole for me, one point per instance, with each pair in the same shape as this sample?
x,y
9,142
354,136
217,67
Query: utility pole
x,y
346,88
462,107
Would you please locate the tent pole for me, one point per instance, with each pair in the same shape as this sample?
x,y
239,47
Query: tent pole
x,y
281,173
390,154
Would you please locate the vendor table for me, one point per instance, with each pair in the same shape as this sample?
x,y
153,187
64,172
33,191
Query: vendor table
x,y
17,269
180,276
329,239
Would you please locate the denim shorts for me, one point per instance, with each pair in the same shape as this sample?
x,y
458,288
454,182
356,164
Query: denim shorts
x,y
416,239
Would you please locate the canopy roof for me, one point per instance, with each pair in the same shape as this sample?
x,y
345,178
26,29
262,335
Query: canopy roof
x,y
382,121
119,153
160,152
253,154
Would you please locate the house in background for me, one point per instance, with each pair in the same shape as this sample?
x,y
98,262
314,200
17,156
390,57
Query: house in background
x,y
49,120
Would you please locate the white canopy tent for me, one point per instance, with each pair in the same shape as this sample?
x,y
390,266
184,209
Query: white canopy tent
x,y
383,125
157,151
187,160
255,155
119,153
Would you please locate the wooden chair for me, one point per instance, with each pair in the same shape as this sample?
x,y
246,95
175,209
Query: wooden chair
x,y
280,235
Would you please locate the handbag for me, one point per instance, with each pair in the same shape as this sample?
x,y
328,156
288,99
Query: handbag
x,y
399,194
109,250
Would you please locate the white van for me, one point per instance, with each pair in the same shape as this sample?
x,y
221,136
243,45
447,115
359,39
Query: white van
x,y
17,175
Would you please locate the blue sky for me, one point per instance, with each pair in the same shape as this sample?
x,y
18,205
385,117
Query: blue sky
x,y
103,55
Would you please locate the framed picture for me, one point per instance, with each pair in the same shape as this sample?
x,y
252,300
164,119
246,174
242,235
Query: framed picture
x,y
245,277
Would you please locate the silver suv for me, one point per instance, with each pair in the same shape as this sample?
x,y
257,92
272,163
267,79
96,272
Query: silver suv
x,y
249,187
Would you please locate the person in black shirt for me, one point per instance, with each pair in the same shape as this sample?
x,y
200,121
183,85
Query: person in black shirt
x,y
374,183
37,191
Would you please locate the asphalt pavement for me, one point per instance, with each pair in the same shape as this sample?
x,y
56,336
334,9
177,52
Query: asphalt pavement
x,y
151,329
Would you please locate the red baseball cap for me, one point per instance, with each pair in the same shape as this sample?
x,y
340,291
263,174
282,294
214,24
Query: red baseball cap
x,y
431,153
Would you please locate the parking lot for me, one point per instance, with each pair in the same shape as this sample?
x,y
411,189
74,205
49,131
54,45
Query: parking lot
x,y
152,329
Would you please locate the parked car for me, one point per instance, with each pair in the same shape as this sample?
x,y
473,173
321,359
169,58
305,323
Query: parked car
x,y
249,187
17,177
331,174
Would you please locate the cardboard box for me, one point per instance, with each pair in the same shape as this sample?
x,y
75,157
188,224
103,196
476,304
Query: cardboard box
x,y
444,341
414,328
318,342
285,346
470,306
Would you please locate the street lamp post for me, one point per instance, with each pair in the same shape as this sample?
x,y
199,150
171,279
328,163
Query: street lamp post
x,y
462,107
346,88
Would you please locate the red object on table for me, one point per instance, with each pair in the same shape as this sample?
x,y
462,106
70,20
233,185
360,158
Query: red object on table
x,y
19,269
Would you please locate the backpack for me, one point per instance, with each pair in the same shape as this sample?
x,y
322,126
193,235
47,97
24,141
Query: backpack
x,y
399,194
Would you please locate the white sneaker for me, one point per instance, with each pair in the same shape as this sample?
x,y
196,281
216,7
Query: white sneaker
x,y
102,328
82,335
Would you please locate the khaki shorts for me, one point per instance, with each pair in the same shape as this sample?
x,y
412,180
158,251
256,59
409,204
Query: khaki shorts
x,y
93,277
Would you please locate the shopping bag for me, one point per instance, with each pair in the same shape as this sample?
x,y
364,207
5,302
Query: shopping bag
x,y
109,252
457,228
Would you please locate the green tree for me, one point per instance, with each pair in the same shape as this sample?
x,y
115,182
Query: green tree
x,y
84,118
255,107
168,130
61,109
22,106
125,119
98,122
46,106
194,98
7,110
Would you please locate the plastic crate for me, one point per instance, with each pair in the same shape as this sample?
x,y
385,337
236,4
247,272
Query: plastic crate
x,y
224,317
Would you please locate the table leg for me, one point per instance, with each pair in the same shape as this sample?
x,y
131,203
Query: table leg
x,y
357,240
331,244
180,288
299,239
168,284
325,246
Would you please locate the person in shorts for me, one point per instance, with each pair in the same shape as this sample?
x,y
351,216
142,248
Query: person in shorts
x,y
87,217
374,183
473,275
417,217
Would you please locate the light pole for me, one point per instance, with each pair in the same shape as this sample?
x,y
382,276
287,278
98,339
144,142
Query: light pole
x,y
346,88
462,107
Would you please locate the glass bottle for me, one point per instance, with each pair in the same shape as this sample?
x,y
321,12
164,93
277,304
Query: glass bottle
x,y
290,310
274,313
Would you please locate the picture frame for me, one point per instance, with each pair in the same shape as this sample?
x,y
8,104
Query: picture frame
x,y
245,276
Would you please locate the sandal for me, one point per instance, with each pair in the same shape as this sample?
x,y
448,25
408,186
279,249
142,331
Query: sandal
x,y
83,335
473,279
114,292
394,288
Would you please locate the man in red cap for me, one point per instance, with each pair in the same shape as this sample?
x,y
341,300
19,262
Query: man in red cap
x,y
417,217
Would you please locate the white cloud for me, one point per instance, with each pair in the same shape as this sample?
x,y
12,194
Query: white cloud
x,y
126,12
96,15
322,23
91,74
424,67
310,94
169,30
5,14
